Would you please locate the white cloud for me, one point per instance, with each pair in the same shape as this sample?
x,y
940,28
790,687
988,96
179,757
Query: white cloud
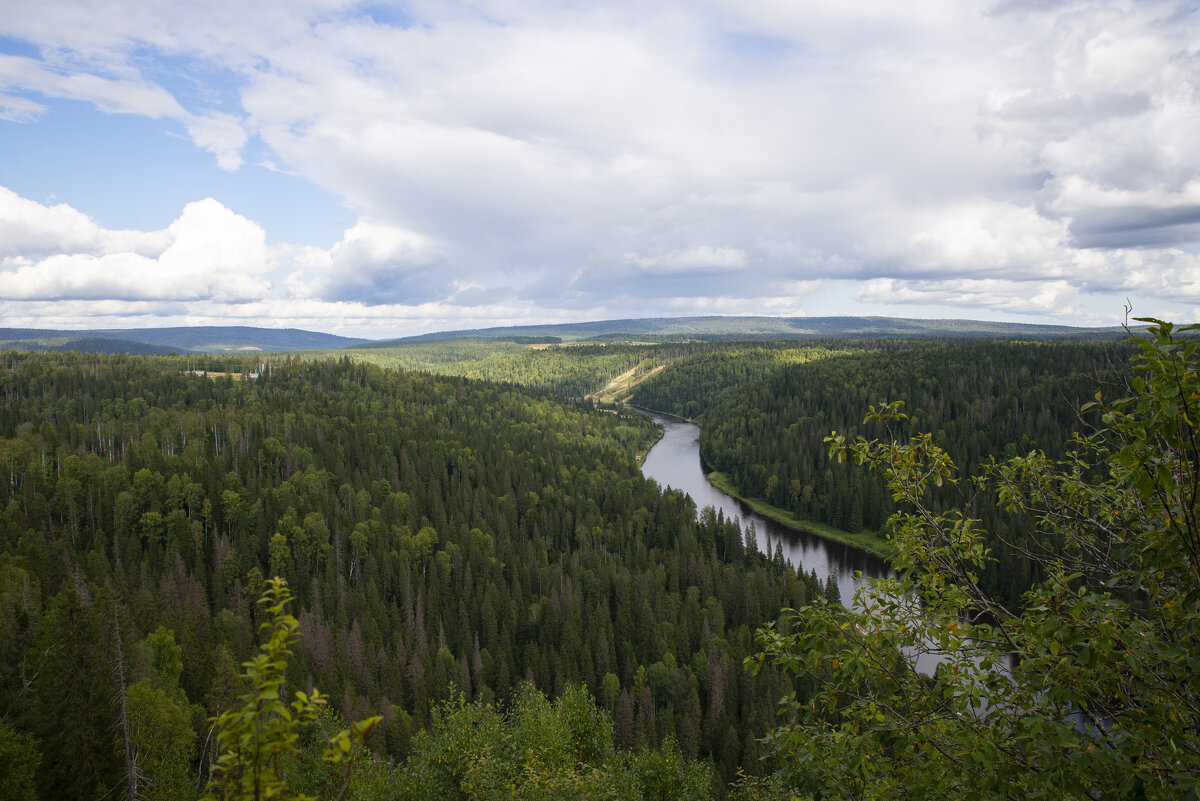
x,y
220,134
29,229
19,109
113,96
56,253
375,263
676,156
699,259
995,294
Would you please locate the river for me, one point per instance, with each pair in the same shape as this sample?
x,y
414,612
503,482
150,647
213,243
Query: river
x,y
675,462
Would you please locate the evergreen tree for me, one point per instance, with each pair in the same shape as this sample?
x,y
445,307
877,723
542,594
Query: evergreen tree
x,y
74,715
1090,691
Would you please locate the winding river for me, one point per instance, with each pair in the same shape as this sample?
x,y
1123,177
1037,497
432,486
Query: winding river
x,y
675,462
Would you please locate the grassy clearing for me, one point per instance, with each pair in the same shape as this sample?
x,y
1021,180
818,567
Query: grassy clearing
x,y
622,386
869,541
219,374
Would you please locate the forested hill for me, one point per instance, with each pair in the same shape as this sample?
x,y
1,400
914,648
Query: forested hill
x,y
226,339
573,371
763,329
765,413
180,339
436,532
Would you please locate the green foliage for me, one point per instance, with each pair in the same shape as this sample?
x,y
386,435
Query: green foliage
x,y
163,740
1090,692
254,738
539,749
691,386
73,711
763,419
19,758
434,531
570,370
162,737
165,656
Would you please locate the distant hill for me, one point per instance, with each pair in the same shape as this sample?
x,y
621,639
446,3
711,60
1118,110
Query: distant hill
x,y
248,339
87,344
712,328
182,339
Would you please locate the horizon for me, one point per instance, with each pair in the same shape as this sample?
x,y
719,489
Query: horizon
x,y
385,170
469,331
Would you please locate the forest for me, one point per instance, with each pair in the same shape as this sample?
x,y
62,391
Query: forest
x,y
444,539
765,414
470,552
574,370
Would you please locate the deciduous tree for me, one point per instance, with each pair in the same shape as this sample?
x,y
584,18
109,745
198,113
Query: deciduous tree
x,y
1090,691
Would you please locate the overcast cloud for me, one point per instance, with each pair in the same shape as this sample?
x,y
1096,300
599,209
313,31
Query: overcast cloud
x,y
507,162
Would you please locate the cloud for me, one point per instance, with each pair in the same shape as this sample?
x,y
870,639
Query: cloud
x,y
699,259
1048,297
972,236
1168,274
19,109
56,253
33,231
374,264
1105,110
112,96
1133,226
222,134
995,157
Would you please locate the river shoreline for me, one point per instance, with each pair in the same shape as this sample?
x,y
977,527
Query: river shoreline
x,y
675,462
864,540
867,541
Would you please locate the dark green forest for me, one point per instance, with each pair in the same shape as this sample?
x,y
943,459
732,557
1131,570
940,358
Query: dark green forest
x,y
444,539
765,413
572,370
462,551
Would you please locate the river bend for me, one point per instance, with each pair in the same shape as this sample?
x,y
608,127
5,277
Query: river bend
x,y
675,462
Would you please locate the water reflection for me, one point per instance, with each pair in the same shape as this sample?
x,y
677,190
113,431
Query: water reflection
x,y
675,462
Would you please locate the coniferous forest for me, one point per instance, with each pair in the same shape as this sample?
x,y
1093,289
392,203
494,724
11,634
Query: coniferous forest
x,y
980,400
478,571
444,539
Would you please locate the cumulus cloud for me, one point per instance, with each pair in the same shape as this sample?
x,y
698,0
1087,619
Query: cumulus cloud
x,y
32,231
999,157
374,264
57,253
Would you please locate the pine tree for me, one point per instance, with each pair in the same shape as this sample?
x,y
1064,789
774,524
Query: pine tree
x,y
74,713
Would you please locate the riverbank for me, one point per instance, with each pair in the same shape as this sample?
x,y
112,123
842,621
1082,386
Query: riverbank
x,y
868,541
647,445
651,412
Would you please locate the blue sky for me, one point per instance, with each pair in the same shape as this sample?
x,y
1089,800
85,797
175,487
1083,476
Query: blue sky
x,y
384,169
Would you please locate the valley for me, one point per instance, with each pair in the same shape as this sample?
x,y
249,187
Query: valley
x,y
484,530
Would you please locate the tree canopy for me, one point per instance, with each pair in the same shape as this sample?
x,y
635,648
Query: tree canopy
x,y
928,687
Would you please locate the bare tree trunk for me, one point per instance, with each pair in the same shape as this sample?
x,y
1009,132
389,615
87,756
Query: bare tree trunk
x,y
132,776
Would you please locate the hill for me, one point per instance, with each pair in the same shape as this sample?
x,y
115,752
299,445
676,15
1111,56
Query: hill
x,y
85,344
766,328
179,339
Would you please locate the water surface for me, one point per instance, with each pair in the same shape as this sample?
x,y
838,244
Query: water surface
x,y
675,462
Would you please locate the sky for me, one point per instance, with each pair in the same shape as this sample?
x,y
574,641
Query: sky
x,y
381,169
